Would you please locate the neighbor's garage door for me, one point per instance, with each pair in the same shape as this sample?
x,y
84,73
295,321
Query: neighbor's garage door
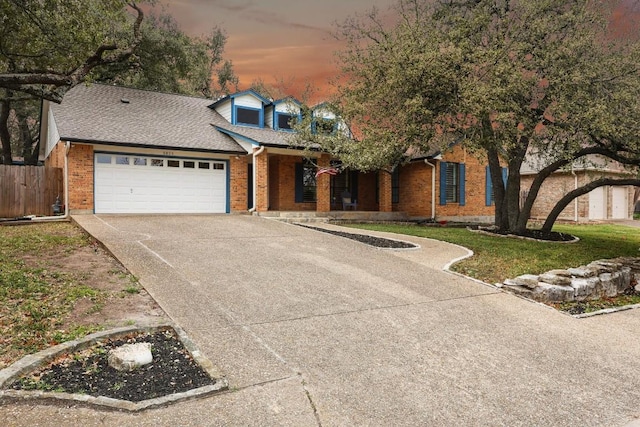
x,y
142,184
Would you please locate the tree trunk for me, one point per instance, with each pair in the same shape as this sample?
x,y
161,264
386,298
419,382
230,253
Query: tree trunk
x,y
568,198
495,170
30,144
5,135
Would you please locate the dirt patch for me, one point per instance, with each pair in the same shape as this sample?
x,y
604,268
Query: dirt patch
x,y
127,302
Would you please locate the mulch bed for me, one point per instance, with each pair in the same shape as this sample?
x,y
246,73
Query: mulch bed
x,y
378,242
553,236
172,370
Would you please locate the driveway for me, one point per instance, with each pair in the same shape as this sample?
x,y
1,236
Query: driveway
x,y
313,329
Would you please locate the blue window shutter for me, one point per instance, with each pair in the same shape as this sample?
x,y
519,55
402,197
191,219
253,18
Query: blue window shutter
x,y
462,182
488,186
299,183
443,183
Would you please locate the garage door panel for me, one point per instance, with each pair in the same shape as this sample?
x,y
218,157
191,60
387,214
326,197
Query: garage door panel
x,y
144,188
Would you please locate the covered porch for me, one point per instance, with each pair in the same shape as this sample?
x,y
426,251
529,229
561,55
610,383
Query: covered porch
x,y
286,182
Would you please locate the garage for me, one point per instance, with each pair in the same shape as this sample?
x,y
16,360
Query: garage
x,y
128,183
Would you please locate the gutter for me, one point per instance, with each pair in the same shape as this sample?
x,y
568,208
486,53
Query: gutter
x,y
254,177
433,185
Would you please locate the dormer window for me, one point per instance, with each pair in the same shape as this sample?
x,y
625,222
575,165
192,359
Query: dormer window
x,y
324,126
286,121
249,116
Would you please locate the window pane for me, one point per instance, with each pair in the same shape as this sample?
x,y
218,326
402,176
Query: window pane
x,y
247,116
218,166
122,160
188,164
204,165
157,162
452,183
395,186
285,121
173,163
104,158
309,183
140,161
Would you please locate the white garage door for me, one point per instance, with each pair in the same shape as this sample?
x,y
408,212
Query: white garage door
x,y
144,184
620,207
597,205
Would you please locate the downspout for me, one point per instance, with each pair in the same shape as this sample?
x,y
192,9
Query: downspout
x,y
65,184
433,188
575,187
254,178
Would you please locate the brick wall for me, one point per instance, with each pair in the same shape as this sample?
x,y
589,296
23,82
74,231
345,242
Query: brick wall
x,y
414,195
238,183
283,178
80,178
262,184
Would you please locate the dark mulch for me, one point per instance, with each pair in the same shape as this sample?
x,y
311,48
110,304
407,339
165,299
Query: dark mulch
x,y
378,242
553,236
172,370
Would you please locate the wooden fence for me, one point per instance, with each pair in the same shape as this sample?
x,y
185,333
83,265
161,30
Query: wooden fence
x,y
29,190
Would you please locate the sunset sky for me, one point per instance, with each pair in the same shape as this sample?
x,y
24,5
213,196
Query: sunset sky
x,y
285,40
274,39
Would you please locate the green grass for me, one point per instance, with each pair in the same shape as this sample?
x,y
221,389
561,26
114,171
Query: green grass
x,y
35,298
498,258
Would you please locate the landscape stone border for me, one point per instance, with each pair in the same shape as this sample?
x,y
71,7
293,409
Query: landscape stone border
x,y
34,361
598,279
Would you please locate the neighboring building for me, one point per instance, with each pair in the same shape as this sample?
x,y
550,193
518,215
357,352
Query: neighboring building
x,y
136,151
603,203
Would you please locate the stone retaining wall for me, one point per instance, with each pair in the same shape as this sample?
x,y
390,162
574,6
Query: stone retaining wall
x,y
602,278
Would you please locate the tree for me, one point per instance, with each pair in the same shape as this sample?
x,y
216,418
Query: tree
x,y
48,47
507,78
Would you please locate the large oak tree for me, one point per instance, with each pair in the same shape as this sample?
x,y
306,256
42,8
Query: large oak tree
x,y
506,78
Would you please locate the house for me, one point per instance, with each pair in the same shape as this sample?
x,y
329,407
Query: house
x,y
135,151
602,203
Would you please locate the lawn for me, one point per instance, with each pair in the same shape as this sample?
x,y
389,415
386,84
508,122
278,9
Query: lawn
x,y
498,258
56,284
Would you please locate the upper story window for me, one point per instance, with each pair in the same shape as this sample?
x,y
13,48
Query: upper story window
x,y
248,116
324,126
286,121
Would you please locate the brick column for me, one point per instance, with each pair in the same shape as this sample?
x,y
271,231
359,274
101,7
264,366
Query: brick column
x,y
323,190
262,181
384,195
80,178
238,184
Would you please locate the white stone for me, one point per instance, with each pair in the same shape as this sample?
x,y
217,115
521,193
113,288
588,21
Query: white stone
x,y
527,280
586,288
130,356
554,279
553,293
582,272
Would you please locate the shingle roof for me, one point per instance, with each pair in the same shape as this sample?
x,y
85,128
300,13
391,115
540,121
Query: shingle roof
x,y
124,116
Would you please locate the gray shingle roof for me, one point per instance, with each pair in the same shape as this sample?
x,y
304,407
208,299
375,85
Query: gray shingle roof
x,y
97,113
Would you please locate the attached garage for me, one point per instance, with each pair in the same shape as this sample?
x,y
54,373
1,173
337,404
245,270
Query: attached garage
x,y
126,183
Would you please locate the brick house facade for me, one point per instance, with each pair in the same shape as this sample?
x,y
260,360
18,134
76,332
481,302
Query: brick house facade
x,y
134,151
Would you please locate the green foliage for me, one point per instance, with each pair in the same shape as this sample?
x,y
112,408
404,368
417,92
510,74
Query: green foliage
x,y
498,258
506,77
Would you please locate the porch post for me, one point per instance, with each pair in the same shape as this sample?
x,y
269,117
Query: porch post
x,y
238,183
262,181
323,190
384,179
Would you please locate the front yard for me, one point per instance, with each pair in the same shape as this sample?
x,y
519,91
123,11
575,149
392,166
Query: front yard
x,y
498,258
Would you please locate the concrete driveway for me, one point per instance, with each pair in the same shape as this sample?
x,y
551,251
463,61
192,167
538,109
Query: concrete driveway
x,y
313,329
